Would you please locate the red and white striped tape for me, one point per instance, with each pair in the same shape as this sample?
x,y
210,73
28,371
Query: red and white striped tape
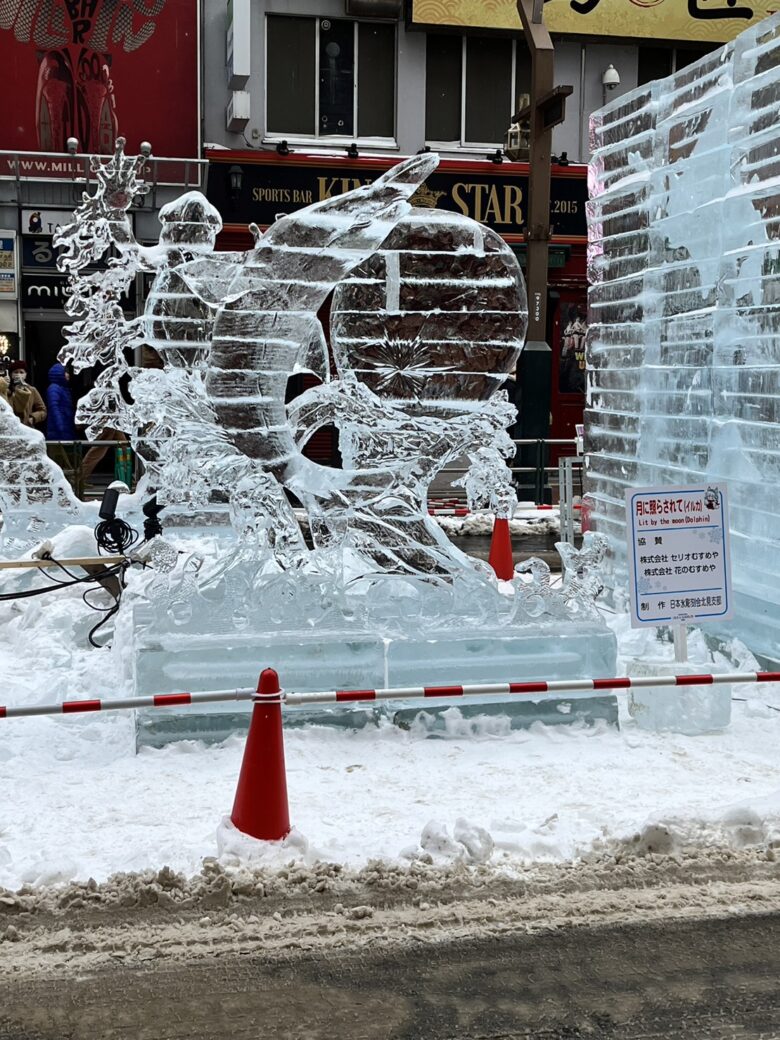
x,y
169,700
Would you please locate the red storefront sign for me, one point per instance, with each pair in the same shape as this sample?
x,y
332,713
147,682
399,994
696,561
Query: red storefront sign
x,y
95,70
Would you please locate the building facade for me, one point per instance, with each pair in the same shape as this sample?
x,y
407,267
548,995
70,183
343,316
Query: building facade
x,y
79,75
277,103
320,95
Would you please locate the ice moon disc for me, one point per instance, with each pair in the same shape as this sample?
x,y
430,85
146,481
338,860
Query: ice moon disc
x,y
434,318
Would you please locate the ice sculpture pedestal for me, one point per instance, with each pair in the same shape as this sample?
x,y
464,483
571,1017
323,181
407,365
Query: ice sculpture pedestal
x,y
690,710
172,662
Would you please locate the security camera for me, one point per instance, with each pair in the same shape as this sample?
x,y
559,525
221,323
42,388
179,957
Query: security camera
x,y
145,148
611,78
72,144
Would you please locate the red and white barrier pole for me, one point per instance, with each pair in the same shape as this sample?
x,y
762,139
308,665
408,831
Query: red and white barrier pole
x,y
553,686
168,700
159,700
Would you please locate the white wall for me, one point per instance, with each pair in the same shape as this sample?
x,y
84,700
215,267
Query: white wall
x,y
571,136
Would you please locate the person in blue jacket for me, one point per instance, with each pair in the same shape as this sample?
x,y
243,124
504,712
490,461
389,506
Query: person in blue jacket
x,y
60,424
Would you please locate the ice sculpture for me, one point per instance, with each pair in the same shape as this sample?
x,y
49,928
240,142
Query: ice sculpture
x,y
684,332
101,335
415,386
337,576
35,498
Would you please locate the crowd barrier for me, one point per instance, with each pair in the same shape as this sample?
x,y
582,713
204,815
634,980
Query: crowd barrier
x,y
261,808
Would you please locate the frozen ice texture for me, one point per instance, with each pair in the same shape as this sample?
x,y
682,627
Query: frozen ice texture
x,y
684,331
101,334
428,318
35,498
682,709
339,572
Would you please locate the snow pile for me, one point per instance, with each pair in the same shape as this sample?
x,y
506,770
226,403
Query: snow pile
x,y
78,802
539,522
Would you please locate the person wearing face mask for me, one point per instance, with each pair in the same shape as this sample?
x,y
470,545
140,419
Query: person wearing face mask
x,y
25,400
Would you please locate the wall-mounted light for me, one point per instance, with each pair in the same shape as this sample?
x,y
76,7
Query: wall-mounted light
x,y
236,175
283,148
145,148
353,152
564,159
497,156
72,144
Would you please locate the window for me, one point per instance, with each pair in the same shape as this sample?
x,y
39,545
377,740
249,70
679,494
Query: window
x,y
688,55
659,62
653,63
330,77
473,86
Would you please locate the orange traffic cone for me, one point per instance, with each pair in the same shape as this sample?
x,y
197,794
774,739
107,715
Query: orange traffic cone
x,y
260,809
500,558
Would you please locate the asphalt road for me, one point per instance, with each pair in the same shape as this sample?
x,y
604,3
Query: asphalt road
x,y
692,979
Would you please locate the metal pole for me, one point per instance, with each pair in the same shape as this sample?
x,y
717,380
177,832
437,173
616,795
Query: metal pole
x,y
562,508
534,370
539,472
174,700
538,228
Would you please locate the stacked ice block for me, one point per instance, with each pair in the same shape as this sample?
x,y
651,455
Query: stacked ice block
x,y
684,334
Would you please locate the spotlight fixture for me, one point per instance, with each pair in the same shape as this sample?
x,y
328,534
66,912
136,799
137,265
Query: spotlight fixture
x,y
564,159
145,148
497,157
353,152
425,148
283,148
72,144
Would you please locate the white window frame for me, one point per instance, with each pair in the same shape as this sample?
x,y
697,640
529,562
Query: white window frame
x,y
337,140
463,144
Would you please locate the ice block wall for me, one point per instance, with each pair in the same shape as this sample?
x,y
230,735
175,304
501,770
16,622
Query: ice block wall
x,y
684,328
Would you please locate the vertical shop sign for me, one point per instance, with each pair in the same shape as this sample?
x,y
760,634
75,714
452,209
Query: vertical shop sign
x,y
9,266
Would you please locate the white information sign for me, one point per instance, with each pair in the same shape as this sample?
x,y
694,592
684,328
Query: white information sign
x,y
678,554
579,432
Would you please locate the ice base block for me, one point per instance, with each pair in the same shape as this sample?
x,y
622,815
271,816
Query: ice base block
x,y
172,662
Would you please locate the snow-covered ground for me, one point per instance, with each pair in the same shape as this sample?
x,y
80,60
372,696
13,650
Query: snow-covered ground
x,y
78,802
528,520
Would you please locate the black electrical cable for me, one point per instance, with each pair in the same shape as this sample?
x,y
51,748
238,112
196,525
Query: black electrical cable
x,y
115,536
108,615
86,580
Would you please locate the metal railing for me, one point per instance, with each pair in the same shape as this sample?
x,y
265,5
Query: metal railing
x,y
545,480
70,455
74,174
560,482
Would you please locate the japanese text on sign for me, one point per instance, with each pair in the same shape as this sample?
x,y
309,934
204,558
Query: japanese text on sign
x,y
678,554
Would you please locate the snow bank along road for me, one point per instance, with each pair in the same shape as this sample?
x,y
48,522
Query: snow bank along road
x,y
625,944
